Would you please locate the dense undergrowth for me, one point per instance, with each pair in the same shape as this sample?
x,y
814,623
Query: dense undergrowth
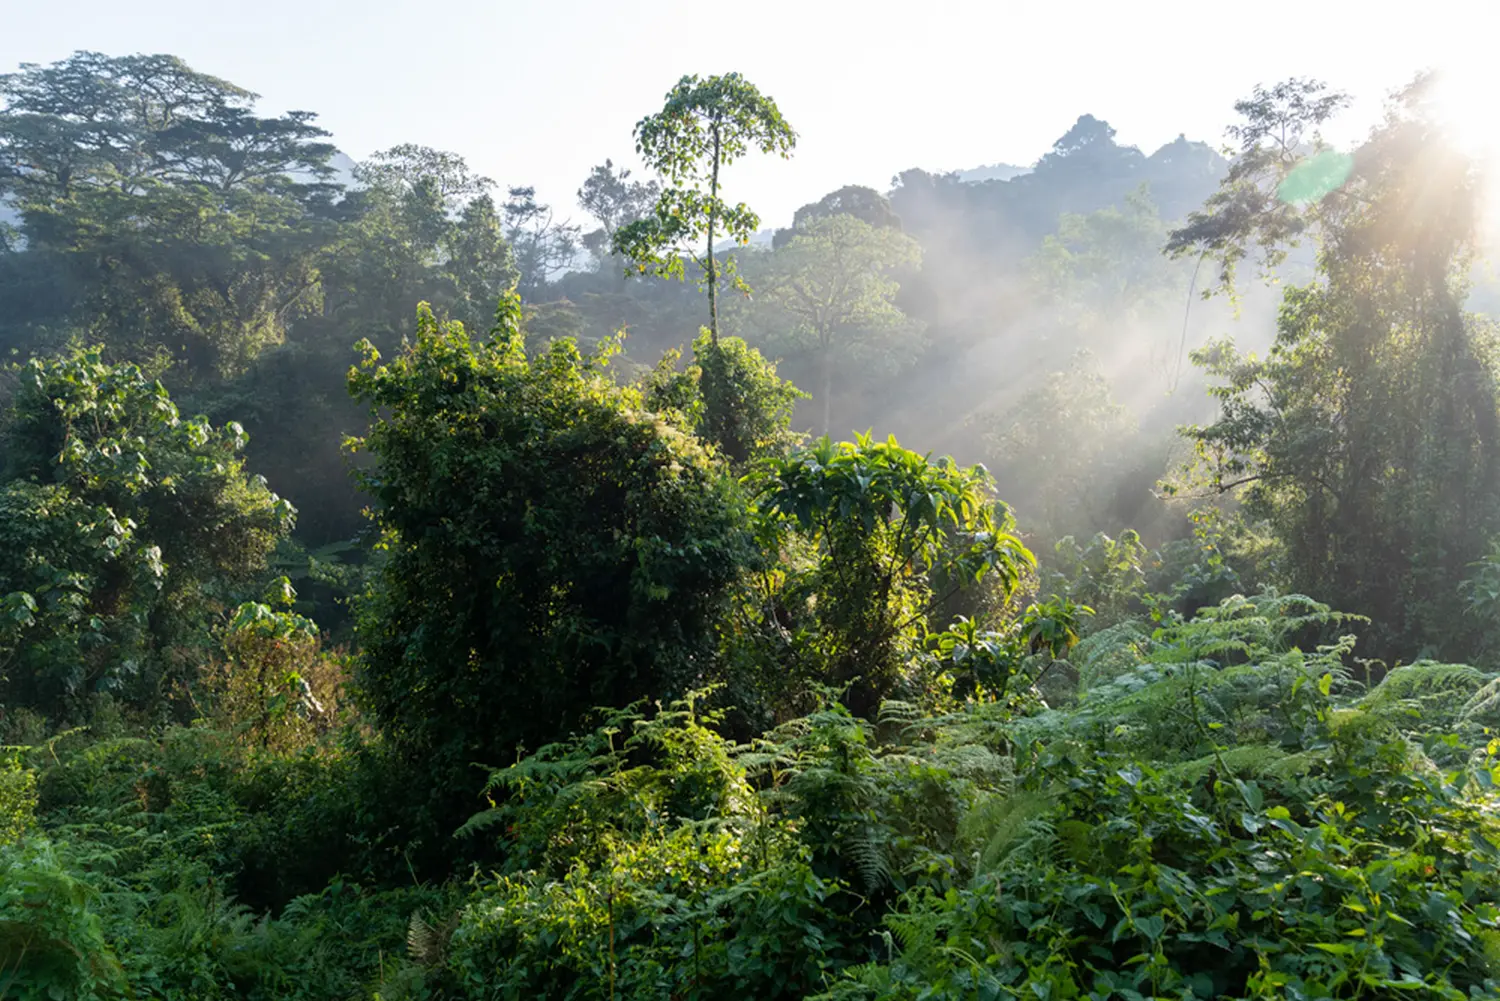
x,y
1215,811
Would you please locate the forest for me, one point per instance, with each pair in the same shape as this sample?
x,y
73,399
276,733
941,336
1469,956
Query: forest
x,y
1077,581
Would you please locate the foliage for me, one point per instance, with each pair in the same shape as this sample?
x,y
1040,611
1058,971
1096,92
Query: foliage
x,y
51,938
1480,593
1367,438
829,291
1279,133
17,797
1108,574
754,420
704,126
167,215
881,519
1007,665
275,686
1104,279
426,228
552,546
542,245
865,204
1244,889
644,863
126,527
614,200
1059,448
759,719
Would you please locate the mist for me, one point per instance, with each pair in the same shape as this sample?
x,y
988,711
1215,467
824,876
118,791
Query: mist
x,y
1023,280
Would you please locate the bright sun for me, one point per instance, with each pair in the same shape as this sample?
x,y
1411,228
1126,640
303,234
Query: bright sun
x,y
1467,90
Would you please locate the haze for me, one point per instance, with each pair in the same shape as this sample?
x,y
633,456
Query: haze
x,y
538,93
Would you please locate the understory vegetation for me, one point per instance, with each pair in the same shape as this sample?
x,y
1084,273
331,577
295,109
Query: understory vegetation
x,y
603,678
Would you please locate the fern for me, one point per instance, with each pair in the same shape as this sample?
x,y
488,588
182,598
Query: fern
x,y
1424,678
1250,761
1002,829
869,852
1483,706
1428,696
1228,676
427,944
1104,655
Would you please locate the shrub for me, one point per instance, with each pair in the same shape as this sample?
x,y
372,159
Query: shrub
x,y
552,546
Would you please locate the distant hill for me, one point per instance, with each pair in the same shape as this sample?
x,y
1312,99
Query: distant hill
x,y
343,168
760,241
993,172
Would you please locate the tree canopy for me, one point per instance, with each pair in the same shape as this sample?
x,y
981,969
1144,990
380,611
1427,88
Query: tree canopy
x,y
831,292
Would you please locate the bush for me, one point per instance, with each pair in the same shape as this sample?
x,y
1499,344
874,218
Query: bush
x,y
1362,879
276,687
123,530
552,546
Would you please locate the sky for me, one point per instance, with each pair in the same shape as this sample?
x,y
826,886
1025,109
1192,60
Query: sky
x,y
536,93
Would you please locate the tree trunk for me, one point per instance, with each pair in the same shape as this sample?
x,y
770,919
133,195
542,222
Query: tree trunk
x,y
827,385
713,268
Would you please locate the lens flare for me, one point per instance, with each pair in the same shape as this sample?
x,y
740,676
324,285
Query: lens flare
x,y
1316,177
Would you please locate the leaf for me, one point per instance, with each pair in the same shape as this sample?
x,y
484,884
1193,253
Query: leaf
x,y
1251,794
1336,948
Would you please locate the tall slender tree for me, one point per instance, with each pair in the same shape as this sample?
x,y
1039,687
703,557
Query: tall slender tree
x,y
704,126
1368,439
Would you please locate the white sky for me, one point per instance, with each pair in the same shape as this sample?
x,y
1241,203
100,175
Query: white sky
x,y
538,92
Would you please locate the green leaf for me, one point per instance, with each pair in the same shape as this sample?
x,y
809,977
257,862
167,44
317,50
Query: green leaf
x,y
1336,948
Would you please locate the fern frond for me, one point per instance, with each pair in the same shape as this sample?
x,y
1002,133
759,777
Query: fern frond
x,y
868,850
1002,829
1482,704
1250,761
421,940
1425,678
427,944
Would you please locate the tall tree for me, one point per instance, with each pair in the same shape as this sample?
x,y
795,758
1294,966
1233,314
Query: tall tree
x,y
831,291
614,200
704,126
409,166
424,227
1369,437
865,204
169,215
542,245
479,261
1279,134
